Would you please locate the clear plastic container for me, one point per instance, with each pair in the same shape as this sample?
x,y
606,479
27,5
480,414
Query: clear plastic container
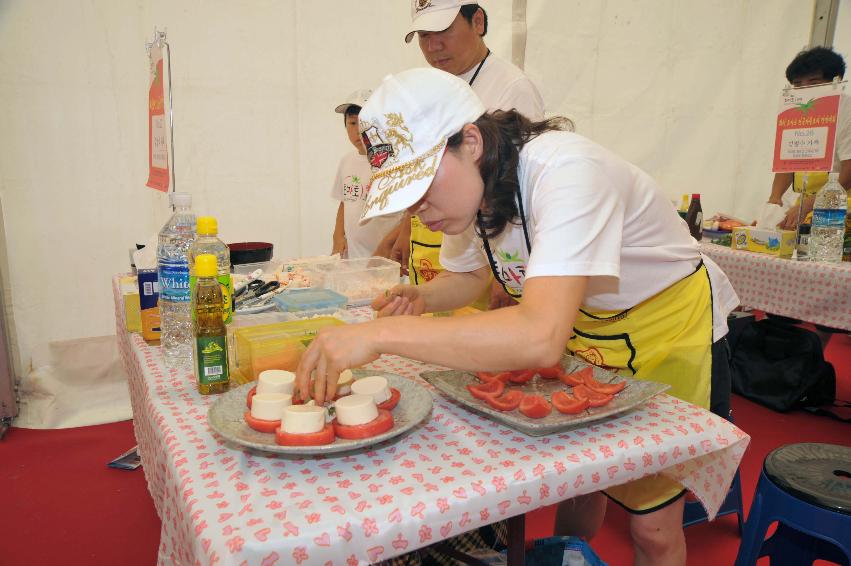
x,y
275,346
360,280
174,241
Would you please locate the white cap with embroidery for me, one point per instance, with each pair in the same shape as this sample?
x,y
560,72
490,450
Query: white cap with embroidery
x,y
404,127
433,15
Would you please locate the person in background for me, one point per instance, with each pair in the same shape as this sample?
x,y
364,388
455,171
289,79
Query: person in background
x,y
812,67
351,186
451,34
603,263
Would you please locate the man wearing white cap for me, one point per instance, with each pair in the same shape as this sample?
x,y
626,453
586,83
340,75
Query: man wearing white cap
x,y
604,265
351,238
451,37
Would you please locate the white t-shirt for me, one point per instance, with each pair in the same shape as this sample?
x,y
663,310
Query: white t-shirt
x,y
589,212
351,186
502,86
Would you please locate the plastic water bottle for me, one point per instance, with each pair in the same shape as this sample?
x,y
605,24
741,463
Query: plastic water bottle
x,y
207,242
828,227
175,239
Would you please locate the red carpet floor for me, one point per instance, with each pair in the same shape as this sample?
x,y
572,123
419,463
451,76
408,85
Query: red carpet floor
x,y
60,504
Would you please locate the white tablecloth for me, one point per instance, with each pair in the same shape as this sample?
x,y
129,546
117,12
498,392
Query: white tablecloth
x,y
812,291
222,504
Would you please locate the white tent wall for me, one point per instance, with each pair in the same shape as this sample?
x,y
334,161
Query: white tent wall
x,y
685,89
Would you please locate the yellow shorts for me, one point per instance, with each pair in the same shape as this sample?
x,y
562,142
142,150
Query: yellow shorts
x,y
647,494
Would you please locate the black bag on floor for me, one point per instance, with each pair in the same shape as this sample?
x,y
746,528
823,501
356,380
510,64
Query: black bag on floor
x,y
780,366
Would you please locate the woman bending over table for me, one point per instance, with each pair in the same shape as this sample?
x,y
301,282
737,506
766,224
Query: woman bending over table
x,y
600,259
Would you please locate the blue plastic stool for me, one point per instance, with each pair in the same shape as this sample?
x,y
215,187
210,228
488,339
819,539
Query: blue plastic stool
x,y
806,488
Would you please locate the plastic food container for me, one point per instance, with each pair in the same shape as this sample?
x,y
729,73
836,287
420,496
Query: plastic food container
x,y
309,299
275,346
360,280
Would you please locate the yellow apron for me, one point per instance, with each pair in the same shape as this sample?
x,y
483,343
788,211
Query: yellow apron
x,y
666,338
424,259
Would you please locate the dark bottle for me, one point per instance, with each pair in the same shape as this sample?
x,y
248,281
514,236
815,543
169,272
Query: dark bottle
x,y
694,217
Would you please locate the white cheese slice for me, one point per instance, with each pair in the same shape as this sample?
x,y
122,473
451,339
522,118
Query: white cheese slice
x,y
375,386
344,382
303,419
276,381
355,409
269,406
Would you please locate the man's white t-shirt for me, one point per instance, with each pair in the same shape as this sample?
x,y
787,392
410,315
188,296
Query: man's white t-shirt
x,y
351,186
502,86
589,212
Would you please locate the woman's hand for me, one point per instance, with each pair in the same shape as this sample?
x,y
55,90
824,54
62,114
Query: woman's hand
x,y
400,300
332,351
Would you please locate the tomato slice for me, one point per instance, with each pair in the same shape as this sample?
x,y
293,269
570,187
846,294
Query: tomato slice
x,y
577,377
535,406
324,436
508,401
488,376
492,388
521,375
251,393
382,423
261,425
389,404
568,404
604,388
594,399
550,372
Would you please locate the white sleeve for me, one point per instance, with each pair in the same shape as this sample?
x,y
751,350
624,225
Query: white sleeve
x,y
462,253
578,219
524,97
337,188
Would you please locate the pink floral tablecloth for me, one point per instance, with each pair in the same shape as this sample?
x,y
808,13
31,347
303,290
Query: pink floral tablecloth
x,y
812,291
222,504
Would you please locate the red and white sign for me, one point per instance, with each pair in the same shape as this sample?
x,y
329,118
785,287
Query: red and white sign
x,y
806,129
157,128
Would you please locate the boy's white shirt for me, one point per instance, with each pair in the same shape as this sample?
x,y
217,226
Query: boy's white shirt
x,y
350,187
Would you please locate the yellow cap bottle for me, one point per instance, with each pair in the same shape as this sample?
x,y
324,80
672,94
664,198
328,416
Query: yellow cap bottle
x,y
207,226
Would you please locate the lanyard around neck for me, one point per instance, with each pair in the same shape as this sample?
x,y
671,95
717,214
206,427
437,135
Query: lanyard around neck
x,y
479,68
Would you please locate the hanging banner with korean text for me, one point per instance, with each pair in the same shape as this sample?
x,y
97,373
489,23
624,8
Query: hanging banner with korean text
x,y
806,129
158,177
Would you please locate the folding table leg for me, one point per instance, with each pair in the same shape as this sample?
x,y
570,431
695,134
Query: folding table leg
x,y
517,540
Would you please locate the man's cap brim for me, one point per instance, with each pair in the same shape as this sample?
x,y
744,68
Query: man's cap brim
x,y
432,21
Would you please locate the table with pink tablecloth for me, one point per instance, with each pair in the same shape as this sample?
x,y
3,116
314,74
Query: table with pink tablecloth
x,y
223,504
816,292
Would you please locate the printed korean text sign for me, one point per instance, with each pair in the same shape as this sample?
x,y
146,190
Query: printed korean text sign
x,y
806,129
157,127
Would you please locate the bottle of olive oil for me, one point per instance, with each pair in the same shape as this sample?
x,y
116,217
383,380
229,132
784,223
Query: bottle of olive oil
x,y
211,354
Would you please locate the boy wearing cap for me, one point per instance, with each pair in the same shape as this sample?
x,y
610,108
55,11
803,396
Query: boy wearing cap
x,y
351,186
451,34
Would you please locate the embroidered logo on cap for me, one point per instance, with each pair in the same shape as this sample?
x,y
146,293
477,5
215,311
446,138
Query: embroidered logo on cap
x,y
421,5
